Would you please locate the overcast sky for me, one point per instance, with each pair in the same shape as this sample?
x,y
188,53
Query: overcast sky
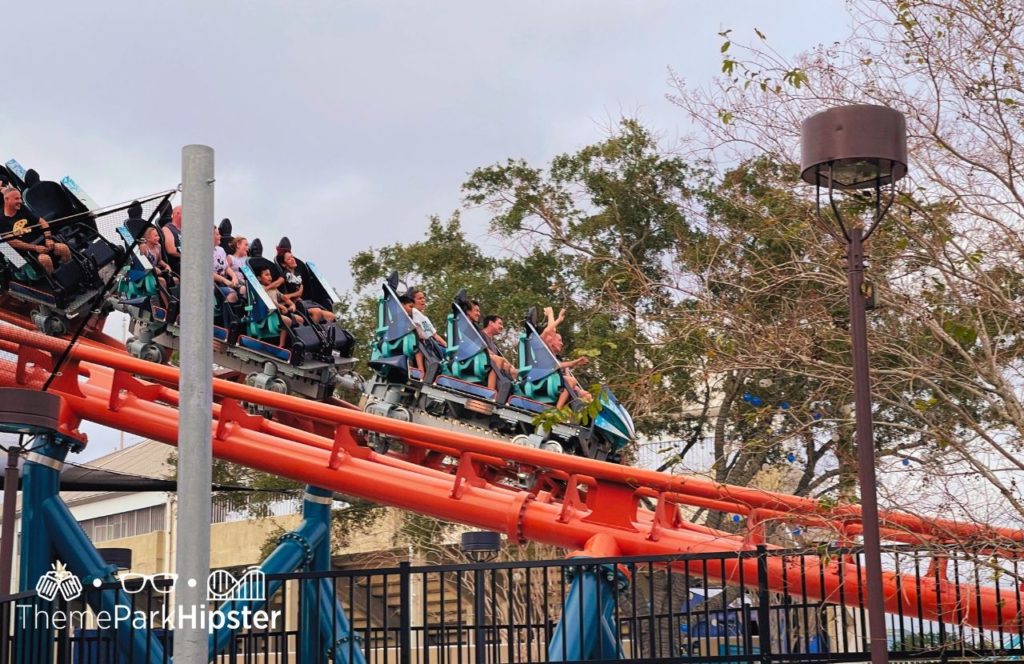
x,y
344,125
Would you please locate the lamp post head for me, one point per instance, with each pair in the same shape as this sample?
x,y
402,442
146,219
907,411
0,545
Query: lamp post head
x,y
854,147
481,546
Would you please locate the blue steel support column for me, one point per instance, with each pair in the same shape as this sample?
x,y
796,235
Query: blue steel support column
x,y
77,551
294,551
335,629
40,479
40,476
316,507
586,630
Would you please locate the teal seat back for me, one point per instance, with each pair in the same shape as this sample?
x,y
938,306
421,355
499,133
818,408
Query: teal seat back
x,y
540,377
466,361
473,370
146,286
265,327
545,390
27,273
382,346
402,346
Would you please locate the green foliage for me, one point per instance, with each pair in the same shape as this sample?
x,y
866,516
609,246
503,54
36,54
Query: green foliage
x,y
583,416
442,263
612,217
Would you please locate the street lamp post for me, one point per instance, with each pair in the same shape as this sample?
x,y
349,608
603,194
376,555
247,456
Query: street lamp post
x,y
850,148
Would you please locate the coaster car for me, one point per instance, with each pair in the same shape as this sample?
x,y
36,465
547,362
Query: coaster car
x,y
76,286
454,386
312,361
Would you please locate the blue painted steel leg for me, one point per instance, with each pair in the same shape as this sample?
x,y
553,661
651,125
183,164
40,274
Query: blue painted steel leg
x,y
294,551
586,630
330,622
74,547
51,533
335,629
324,625
315,507
40,479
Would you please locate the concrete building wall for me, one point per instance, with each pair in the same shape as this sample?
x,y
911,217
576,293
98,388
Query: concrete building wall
x,y
149,552
238,543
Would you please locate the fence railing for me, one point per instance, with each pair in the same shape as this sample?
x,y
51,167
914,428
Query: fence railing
x,y
489,613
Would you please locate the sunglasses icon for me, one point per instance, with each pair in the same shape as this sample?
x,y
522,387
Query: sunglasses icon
x,y
162,583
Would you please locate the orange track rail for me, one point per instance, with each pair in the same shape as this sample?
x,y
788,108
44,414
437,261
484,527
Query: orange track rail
x,y
457,477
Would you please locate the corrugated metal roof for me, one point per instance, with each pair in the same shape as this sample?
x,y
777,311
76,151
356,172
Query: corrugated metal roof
x,y
147,459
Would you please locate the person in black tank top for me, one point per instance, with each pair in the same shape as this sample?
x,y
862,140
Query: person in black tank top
x,y
172,241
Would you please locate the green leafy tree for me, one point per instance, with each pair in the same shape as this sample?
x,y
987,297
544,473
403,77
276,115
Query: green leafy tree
x,y
614,216
946,347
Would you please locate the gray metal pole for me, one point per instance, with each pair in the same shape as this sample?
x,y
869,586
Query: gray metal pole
x,y
10,515
192,558
866,449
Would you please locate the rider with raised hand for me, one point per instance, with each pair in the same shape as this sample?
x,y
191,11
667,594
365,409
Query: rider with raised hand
x,y
572,386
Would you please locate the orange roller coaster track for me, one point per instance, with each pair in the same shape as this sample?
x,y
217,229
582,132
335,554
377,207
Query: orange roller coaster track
x,y
463,478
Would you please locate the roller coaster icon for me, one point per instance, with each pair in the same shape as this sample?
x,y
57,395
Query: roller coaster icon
x,y
222,585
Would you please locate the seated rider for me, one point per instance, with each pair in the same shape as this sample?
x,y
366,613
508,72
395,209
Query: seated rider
x,y
408,304
285,308
151,250
492,326
572,387
238,252
224,278
434,340
294,274
23,230
172,240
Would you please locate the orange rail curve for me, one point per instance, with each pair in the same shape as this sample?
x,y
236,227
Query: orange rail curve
x,y
454,476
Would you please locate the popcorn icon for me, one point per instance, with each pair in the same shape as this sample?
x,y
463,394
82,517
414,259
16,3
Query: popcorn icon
x,y
59,580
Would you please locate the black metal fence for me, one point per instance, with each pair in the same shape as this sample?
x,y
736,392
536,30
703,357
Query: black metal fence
x,y
673,608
